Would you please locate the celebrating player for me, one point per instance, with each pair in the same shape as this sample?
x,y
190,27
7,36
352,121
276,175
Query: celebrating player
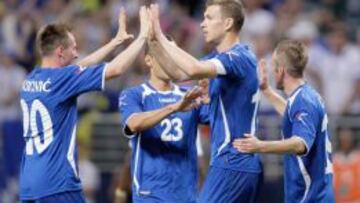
x,y
233,176
49,171
159,119
306,145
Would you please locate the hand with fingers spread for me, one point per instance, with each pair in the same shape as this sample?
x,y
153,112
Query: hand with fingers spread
x,y
249,144
122,34
263,75
145,22
190,100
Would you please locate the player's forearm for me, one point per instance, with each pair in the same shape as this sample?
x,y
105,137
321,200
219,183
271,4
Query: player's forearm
x,y
98,55
288,146
125,59
192,67
276,100
143,121
168,65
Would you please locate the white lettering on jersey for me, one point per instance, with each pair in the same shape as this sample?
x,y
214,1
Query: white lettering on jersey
x,y
36,86
167,100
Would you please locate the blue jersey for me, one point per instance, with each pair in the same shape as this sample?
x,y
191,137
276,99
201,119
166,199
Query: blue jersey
x,y
48,102
234,99
164,158
308,178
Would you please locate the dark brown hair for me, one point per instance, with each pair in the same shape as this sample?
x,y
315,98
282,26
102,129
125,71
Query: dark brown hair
x,y
49,37
294,55
232,9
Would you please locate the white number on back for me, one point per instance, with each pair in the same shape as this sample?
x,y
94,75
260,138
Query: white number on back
x,y
329,166
255,100
29,122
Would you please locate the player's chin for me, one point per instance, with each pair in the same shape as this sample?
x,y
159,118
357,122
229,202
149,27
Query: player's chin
x,y
209,41
207,38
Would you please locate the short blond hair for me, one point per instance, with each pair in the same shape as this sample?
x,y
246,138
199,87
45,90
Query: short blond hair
x,y
294,54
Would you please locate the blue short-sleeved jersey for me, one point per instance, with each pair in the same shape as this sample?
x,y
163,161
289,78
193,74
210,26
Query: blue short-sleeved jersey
x,y
164,158
234,99
48,101
308,178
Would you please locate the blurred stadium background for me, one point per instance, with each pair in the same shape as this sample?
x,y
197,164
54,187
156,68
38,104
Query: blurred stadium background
x,y
330,28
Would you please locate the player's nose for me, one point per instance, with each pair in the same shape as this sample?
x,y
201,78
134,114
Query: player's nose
x,y
202,24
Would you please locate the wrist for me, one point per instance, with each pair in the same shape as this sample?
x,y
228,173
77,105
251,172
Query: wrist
x,y
115,42
120,194
262,146
142,36
174,107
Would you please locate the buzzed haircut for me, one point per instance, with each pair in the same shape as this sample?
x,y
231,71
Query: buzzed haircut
x,y
230,8
294,54
50,36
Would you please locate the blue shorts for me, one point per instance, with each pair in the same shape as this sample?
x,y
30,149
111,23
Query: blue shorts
x,y
154,199
68,197
230,186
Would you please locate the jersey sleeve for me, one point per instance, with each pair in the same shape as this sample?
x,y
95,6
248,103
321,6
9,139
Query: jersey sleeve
x,y
129,104
83,79
304,122
203,114
230,64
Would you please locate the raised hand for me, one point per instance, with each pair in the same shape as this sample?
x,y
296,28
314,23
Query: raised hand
x,y
190,99
122,34
263,75
249,144
155,20
145,22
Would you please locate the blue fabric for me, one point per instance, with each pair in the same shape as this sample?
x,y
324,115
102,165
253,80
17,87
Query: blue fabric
x,y
68,197
48,101
308,178
164,158
226,185
234,100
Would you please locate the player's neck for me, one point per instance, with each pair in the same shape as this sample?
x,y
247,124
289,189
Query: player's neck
x,y
50,62
229,40
292,84
160,85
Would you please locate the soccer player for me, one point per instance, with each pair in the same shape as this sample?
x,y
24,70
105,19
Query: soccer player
x,y
158,117
234,96
49,171
306,145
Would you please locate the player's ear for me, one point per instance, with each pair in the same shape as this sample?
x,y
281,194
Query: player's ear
x,y
148,60
229,23
59,51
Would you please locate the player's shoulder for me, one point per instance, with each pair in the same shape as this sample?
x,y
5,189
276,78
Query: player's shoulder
x,y
306,98
241,55
209,56
241,50
137,89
